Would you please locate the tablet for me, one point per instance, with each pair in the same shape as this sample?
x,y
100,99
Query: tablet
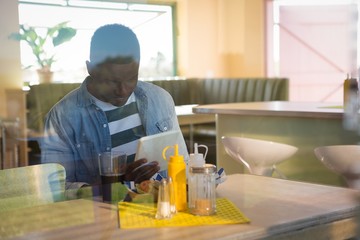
x,y
151,147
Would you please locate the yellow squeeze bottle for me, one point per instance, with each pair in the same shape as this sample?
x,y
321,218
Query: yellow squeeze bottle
x,y
346,90
177,173
350,84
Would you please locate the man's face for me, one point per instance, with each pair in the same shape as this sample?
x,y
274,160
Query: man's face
x,y
114,83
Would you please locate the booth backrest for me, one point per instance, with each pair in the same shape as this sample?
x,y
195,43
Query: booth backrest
x,y
243,90
183,91
226,90
42,97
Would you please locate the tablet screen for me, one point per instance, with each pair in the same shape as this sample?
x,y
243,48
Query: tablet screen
x,y
151,147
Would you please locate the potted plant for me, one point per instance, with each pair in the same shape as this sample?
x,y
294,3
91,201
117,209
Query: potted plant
x,y
56,35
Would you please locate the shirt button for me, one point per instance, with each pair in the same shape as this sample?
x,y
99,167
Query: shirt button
x,y
78,145
104,126
107,148
165,128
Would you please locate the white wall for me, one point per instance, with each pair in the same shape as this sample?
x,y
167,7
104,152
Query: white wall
x,y
218,38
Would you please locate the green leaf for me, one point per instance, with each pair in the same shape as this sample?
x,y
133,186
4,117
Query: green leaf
x,y
16,36
52,31
64,35
57,34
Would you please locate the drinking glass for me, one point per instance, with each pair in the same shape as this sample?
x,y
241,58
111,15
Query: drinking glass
x,y
112,166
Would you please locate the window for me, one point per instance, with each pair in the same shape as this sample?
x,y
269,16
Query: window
x,y
153,25
314,43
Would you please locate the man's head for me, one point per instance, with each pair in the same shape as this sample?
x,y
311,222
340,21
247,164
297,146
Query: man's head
x,y
114,63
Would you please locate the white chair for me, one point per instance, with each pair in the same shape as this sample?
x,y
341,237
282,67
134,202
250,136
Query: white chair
x,y
343,160
259,156
31,185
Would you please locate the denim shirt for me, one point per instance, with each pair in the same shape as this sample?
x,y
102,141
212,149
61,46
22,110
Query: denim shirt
x,y
76,130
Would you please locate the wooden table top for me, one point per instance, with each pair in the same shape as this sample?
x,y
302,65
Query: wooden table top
x,y
275,207
275,108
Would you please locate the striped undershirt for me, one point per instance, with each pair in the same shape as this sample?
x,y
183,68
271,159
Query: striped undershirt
x,y
124,124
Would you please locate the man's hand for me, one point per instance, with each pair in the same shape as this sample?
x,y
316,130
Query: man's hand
x,y
140,170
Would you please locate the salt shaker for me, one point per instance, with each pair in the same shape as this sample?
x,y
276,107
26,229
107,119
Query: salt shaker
x,y
202,196
172,196
163,204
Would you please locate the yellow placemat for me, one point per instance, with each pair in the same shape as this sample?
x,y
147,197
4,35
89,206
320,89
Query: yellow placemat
x,y
135,215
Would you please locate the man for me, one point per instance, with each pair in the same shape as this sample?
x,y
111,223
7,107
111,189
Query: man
x,y
110,110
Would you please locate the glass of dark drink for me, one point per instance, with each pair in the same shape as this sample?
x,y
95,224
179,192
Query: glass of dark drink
x,y
112,166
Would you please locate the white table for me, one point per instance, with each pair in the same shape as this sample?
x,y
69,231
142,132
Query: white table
x,y
186,117
286,209
305,125
278,209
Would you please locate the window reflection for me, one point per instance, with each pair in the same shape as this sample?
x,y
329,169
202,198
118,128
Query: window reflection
x,y
152,24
